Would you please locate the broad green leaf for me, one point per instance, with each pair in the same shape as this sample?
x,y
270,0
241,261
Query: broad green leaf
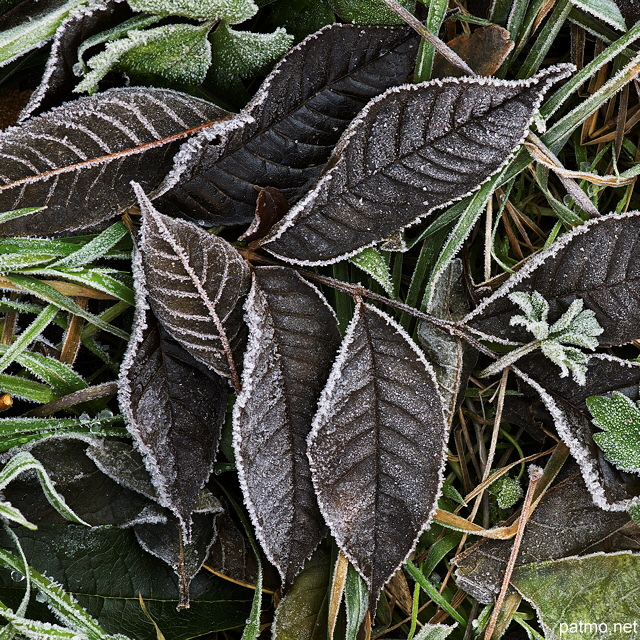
x,y
587,598
606,10
39,23
373,263
105,571
232,11
619,418
173,53
302,17
245,53
565,523
369,11
302,613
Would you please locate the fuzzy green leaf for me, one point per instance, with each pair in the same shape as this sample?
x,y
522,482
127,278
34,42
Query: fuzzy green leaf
x,y
173,53
244,53
619,418
232,11
369,11
373,263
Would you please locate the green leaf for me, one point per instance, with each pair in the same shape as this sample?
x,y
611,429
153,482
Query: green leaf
x,y
302,613
301,17
244,53
105,570
619,418
587,598
369,11
434,632
232,11
40,23
373,263
16,213
605,10
507,491
93,249
173,53
356,599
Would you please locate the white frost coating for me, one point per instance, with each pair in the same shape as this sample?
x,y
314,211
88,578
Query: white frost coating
x,y
532,264
605,10
557,71
592,477
325,410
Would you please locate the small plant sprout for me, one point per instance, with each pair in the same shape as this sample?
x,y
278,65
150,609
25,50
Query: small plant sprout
x,y
561,342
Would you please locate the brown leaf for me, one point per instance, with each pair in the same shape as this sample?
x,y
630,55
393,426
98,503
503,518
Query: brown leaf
x,y
484,51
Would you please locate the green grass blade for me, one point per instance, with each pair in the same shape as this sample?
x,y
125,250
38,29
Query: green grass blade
x,y
12,514
94,249
48,293
545,39
356,598
561,130
589,70
460,233
24,461
63,605
17,213
426,52
433,593
26,389
28,336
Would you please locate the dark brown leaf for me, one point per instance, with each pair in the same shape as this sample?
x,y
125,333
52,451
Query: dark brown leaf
x,y
285,135
598,262
271,206
377,446
293,338
196,284
78,159
411,150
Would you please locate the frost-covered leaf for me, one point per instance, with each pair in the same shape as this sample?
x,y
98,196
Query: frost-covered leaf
x,y
87,561
91,494
175,409
588,598
565,523
172,53
377,446
166,541
32,26
246,53
484,50
507,491
59,79
293,338
565,402
598,262
434,632
302,17
232,11
302,613
452,359
630,10
411,150
619,418
285,135
78,159
369,11
605,10
374,264
196,285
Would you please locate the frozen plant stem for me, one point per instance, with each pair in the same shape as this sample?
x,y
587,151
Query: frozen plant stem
x,y
447,53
